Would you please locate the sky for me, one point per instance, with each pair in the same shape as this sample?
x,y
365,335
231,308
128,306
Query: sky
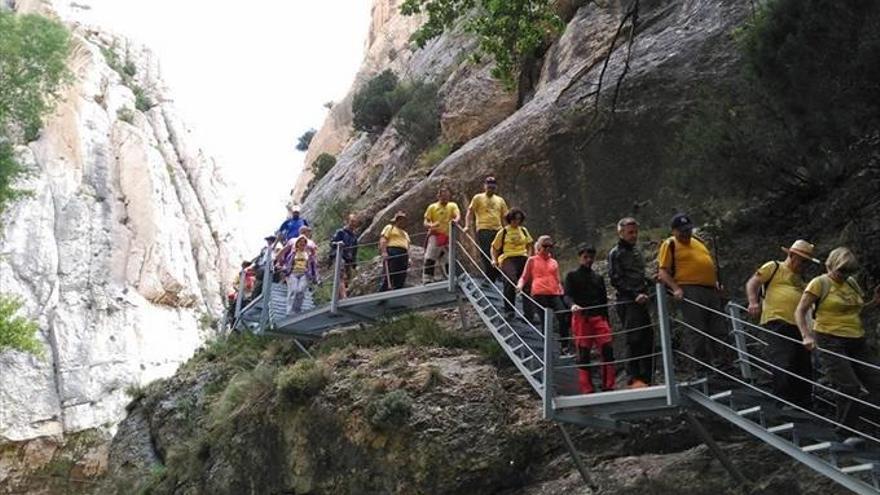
x,y
249,77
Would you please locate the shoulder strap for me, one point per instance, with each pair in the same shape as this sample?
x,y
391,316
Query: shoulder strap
x,y
767,283
503,237
825,288
855,286
672,256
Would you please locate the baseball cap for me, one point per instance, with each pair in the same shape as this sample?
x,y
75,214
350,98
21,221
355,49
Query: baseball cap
x,y
491,180
682,221
586,248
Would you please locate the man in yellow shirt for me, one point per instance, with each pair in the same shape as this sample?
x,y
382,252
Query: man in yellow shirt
x,y
437,219
687,268
489,209
781,284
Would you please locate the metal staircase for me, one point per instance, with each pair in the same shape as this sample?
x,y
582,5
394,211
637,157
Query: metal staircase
x,y
534,349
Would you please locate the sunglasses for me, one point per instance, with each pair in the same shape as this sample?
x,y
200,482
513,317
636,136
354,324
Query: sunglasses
x,y
546,246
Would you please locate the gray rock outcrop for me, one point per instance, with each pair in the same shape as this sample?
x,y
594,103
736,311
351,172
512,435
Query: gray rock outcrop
x,y
122,252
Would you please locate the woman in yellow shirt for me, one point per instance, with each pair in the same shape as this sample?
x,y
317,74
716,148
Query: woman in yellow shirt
x,y
838,303
511,249
394,247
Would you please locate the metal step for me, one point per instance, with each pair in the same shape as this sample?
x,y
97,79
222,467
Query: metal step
x,y
750,411
816,447
785,427
859,468
721,395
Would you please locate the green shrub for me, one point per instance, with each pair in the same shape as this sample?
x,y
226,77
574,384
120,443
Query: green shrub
x,y
247,389
434,155
328,217
16,332
306,378
305,140
389,411
33,71
418,121
126,115
322,165
508,30
817,61
375,104
141,101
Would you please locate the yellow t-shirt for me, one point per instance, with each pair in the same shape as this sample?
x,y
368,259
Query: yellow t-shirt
x,y
489,211
693,262
515,243
839,312
396,236
300,263
783,294
442,215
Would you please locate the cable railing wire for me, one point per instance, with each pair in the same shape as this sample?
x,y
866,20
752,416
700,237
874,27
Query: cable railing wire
x,y
784,337
603,363
612,334
774,366
770,395
501,293
507,323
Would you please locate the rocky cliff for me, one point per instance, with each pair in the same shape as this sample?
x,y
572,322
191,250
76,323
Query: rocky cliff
x,y
122,251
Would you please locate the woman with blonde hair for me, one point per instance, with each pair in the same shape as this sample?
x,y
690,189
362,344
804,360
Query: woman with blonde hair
x,y
837,302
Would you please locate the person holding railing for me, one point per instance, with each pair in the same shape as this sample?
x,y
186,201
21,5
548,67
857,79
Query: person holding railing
x,y
511,249
780,284
302,270
347,237
849,364
437,219
394,247
542,272
489,209
626,268
686,267
587,296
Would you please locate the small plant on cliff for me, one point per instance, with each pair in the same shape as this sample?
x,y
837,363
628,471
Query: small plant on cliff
x,y
33,71
376,103
126,115
305,140
418,121
389,411
16,332
320,167
247,389
507,30
302,380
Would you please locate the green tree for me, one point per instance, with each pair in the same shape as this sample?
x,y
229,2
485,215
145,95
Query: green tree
x,y
305,140
33,70
375,104
322,165
507,30
16,332
418,121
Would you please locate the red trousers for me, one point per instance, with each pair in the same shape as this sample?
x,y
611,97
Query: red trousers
x,y
589,332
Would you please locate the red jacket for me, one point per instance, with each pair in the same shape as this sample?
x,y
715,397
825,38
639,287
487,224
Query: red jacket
x,y
543,273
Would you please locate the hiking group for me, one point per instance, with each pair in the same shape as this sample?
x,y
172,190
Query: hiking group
x,y
800,317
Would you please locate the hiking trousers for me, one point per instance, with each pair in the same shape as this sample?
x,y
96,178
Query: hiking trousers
x,y
484,240
696,344
590,332
513,269
555,304
793,357
851,378
395,269
638,342
296,292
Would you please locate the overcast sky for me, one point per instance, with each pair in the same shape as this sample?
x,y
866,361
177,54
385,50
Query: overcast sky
x,y
249,77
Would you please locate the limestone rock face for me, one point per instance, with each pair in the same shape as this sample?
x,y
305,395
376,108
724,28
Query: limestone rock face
x,y
120,253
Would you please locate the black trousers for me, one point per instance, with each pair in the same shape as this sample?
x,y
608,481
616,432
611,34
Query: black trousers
x,y
484,240
563,319
639,342
396,267
851,378
696,344
513,269
793,357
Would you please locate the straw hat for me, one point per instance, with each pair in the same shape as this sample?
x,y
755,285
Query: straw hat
x,y
803,249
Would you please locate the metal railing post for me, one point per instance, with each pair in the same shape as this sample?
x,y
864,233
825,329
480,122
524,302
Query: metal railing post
x,y
337,276
741,346
453,241
268,267
666,345
549,342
